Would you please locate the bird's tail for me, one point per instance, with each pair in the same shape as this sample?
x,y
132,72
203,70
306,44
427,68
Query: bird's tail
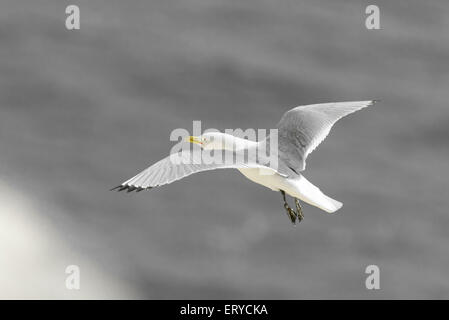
x,y
330,205
309,193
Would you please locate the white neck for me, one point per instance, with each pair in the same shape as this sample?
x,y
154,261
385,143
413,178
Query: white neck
x,y
242,144
233,143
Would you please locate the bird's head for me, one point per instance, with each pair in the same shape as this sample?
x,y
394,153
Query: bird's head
x,y
213,140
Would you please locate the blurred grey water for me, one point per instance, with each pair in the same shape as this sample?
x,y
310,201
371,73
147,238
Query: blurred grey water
x,y
82,110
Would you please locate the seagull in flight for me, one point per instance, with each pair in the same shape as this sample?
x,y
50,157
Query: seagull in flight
x,y
300,131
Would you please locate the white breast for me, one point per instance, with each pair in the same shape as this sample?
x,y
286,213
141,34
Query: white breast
x,y
265,178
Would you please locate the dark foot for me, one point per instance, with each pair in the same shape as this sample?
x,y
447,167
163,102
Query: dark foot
x,y
299,213
291,213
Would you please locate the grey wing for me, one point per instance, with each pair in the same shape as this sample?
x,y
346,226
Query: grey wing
x,y
175,167
303,128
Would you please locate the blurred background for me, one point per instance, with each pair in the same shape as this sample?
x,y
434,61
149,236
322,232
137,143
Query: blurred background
x,y
83,110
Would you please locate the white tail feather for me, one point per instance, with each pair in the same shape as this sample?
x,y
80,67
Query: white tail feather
x,y
332,204
307,192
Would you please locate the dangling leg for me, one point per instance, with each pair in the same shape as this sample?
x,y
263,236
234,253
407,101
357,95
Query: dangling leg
x,y
299,213
292,214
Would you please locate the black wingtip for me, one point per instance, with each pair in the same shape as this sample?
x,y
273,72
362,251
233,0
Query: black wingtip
x,y
129,188
120,188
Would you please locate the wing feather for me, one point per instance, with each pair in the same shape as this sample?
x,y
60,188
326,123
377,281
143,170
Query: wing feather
x,y
303,128
175,167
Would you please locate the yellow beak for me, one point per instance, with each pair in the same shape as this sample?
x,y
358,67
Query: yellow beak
x,y
193,139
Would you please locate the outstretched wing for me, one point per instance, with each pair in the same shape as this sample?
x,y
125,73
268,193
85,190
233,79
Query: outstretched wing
x,y
303,128
177,166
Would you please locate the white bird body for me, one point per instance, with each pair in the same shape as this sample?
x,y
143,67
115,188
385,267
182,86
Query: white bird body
x,y
298,187
300,131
